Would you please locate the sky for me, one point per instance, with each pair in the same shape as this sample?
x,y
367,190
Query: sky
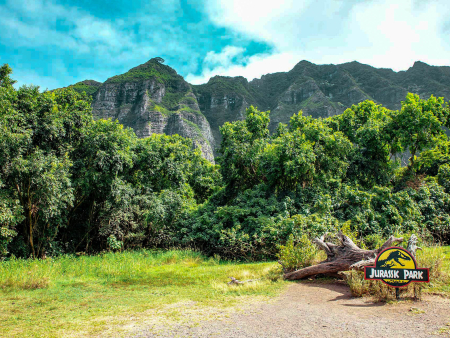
x,y
55,43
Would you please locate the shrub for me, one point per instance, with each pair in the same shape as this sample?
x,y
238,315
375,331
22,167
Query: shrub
x,y
113,243
296,256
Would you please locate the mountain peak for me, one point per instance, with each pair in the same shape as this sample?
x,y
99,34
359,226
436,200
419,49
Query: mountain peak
x,y
420,64
304,63
90,83
153,68
88,86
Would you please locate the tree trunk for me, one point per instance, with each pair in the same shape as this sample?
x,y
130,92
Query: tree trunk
x,y
340,257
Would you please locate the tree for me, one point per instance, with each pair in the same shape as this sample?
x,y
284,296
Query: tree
x,y
5,79
241,148
331,148
38,133
103,156
418,125
367,125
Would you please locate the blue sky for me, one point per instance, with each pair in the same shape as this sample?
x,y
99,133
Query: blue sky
x,y
54,43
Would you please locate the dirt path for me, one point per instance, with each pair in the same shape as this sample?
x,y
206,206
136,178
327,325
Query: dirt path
x,y
326,310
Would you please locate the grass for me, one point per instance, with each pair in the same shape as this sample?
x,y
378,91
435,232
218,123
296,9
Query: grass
x,y
438,260
112,294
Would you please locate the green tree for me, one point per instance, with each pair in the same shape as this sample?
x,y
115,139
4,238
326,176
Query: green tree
x,y
418,125
39,131
331,148
367,125
241,148
103,156
5,79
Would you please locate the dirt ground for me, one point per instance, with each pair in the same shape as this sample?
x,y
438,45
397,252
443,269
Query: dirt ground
x,y
325,310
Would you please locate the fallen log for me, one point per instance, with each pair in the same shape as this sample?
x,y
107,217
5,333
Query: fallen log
x,y
237,281
343,257
412,245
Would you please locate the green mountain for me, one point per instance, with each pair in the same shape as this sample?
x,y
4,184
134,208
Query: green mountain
x,y
153,98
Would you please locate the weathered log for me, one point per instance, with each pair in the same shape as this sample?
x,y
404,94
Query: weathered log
x,y
237,281
340,257
412,245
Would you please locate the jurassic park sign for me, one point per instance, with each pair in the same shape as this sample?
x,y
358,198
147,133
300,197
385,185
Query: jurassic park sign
x,y
396,267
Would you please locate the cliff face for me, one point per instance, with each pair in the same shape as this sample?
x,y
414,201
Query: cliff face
x,y
317,90
224,99
153,98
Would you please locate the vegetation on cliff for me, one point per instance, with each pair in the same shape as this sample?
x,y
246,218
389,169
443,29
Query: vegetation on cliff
x,y
154,68
87,86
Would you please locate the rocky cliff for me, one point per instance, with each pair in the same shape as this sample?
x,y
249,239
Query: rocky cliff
x,y
153,98
317,90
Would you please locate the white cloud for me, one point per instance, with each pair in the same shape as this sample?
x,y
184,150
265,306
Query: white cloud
x,y
31,23
254,67
225,57
112,45
381,33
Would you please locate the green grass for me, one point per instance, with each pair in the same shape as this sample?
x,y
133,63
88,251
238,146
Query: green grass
x,y
171,99
437,259
185,108
114,293
162,110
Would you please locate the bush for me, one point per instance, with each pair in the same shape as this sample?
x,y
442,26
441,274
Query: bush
x,y
296,256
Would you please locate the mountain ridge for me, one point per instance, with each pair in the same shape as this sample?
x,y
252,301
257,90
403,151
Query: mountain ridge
x,y
154,93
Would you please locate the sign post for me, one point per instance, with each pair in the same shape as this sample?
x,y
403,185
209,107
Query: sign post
x,y
396,267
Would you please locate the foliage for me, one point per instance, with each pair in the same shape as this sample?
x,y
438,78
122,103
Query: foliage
x,y
87,86
5,79
418,125
368,127
69,183
296,256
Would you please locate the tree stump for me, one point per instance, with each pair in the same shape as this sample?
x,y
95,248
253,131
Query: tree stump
x,y
346,256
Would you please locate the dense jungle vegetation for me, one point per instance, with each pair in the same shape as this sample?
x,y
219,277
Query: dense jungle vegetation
x,y
69,183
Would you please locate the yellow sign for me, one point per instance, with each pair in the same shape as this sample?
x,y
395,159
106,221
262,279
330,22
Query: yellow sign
x,y
396,267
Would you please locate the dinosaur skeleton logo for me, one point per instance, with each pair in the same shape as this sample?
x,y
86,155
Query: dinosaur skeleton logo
x,y
393,259
396,267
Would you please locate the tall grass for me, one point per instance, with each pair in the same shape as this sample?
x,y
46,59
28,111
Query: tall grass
x,y
87,295
108,267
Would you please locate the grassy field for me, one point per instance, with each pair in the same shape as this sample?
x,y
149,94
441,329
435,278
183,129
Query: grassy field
x,y
116,293
439,280
113,293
